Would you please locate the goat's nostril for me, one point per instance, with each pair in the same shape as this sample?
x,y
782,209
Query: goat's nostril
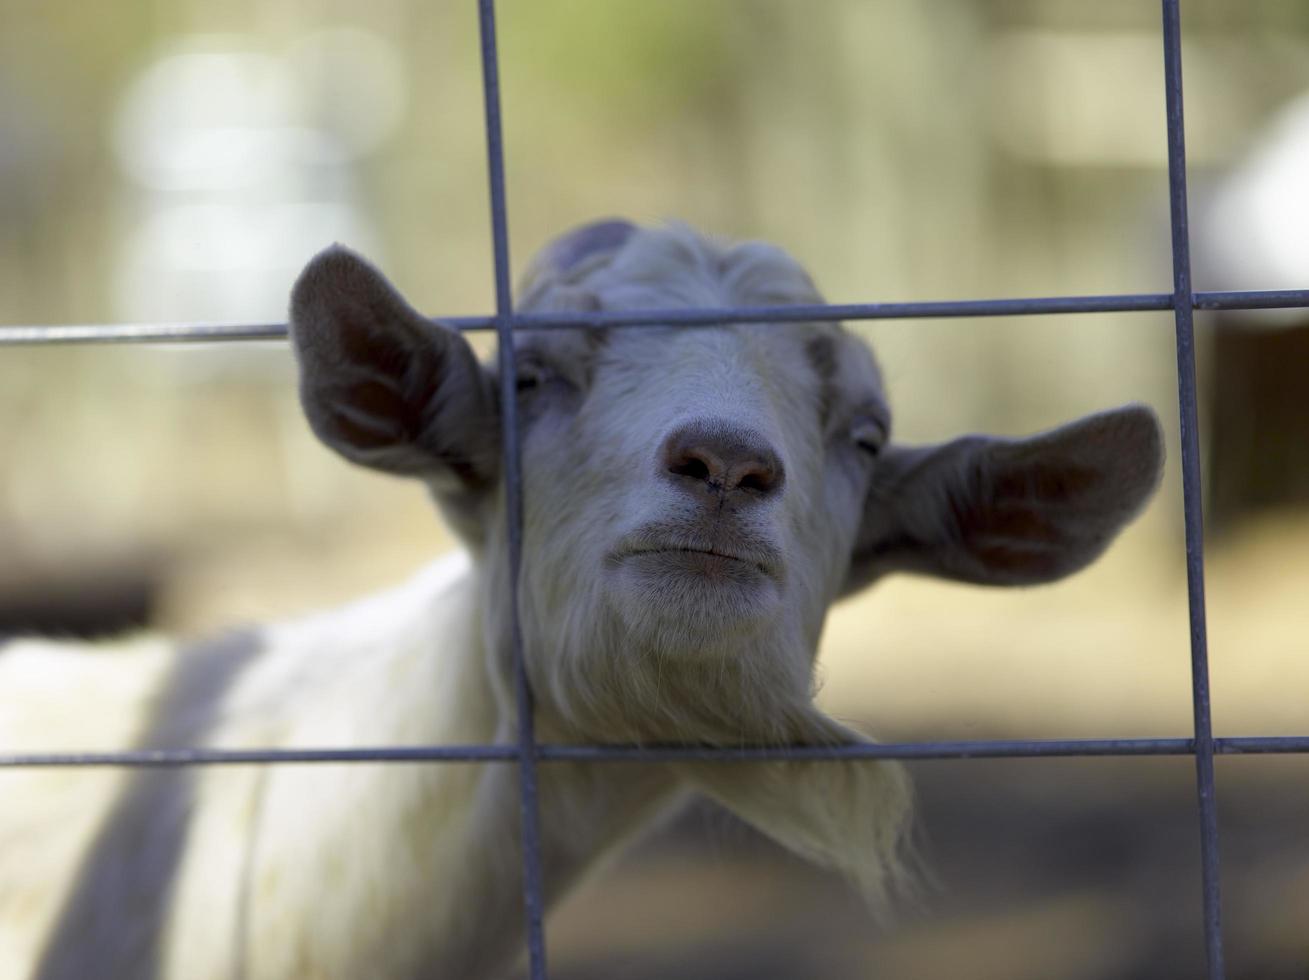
x,y
692,466
761,481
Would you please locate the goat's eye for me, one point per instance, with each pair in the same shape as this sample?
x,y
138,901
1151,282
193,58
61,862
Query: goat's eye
x,y
869,436
530,378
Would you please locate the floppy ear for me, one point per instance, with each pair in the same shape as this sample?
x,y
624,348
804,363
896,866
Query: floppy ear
x,y
1009,511
387,388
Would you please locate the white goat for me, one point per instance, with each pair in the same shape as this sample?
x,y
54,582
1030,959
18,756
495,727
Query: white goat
x,y
695,500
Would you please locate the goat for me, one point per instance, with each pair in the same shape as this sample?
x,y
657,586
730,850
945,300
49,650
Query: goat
x,y
695,500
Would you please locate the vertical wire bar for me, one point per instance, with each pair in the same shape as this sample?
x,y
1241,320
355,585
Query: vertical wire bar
x,y
1182,307
533,892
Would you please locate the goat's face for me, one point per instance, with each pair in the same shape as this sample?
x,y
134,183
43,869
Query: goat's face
x,y
691,493
691,496
694,498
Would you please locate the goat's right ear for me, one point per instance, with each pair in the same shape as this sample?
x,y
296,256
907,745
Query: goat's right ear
x,y
1009,511
384,386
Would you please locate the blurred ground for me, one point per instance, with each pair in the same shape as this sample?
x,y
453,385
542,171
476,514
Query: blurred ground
x,y
1040,870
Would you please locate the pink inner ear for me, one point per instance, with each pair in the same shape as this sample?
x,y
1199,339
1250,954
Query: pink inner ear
x,y
1031,523
1044,483
1014,530
1011,539
371,415
379,345
1009,523
388,381
1029,565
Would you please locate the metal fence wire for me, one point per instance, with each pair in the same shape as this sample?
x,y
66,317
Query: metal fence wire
x,y
528,753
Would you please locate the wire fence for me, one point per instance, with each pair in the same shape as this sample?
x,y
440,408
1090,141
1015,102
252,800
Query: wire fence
x,y
527,753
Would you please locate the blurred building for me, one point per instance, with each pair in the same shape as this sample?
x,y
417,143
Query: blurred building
x,y
1259,367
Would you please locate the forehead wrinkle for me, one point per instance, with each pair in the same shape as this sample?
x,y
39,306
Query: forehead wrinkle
x,y
820,350
865,376
574,349
849,377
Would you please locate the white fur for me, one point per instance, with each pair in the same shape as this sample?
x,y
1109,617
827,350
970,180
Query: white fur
x,y
413,870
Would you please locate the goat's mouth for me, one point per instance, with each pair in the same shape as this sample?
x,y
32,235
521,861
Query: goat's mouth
x,y
706,559
714,560
703,588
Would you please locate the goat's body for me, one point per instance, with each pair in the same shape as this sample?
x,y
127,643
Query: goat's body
x,y
694,502
397,870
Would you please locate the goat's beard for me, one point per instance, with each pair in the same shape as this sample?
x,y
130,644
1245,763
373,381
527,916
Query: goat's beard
x,y
610,676
597,680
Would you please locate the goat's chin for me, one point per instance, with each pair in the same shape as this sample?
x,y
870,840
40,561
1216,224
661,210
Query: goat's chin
x,y
690,601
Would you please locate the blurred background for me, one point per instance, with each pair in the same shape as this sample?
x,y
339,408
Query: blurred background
x,y
181,160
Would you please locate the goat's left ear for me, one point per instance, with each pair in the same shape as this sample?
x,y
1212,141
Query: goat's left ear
x,y
387,388
1008,511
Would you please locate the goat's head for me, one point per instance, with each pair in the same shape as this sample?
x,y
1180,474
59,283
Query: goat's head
x,y
695,498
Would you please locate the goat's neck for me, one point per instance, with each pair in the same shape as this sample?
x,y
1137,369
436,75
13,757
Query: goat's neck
x,y
584,811
436,844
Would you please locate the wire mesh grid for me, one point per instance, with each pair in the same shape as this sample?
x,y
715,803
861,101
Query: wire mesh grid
x,y
527,753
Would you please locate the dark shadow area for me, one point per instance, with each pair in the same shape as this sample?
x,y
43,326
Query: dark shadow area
x,y
1077,869
83,605
1259,421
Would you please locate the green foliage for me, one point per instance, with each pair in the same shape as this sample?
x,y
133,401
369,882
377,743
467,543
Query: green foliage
x,y
619,57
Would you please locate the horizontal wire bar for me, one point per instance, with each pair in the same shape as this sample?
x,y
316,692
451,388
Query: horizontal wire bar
x,y
805,312
148,758
1262,745
977,749
992,749
1265,299
200,333
141,333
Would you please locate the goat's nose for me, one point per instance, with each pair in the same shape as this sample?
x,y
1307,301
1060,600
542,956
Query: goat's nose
x,y
722,457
